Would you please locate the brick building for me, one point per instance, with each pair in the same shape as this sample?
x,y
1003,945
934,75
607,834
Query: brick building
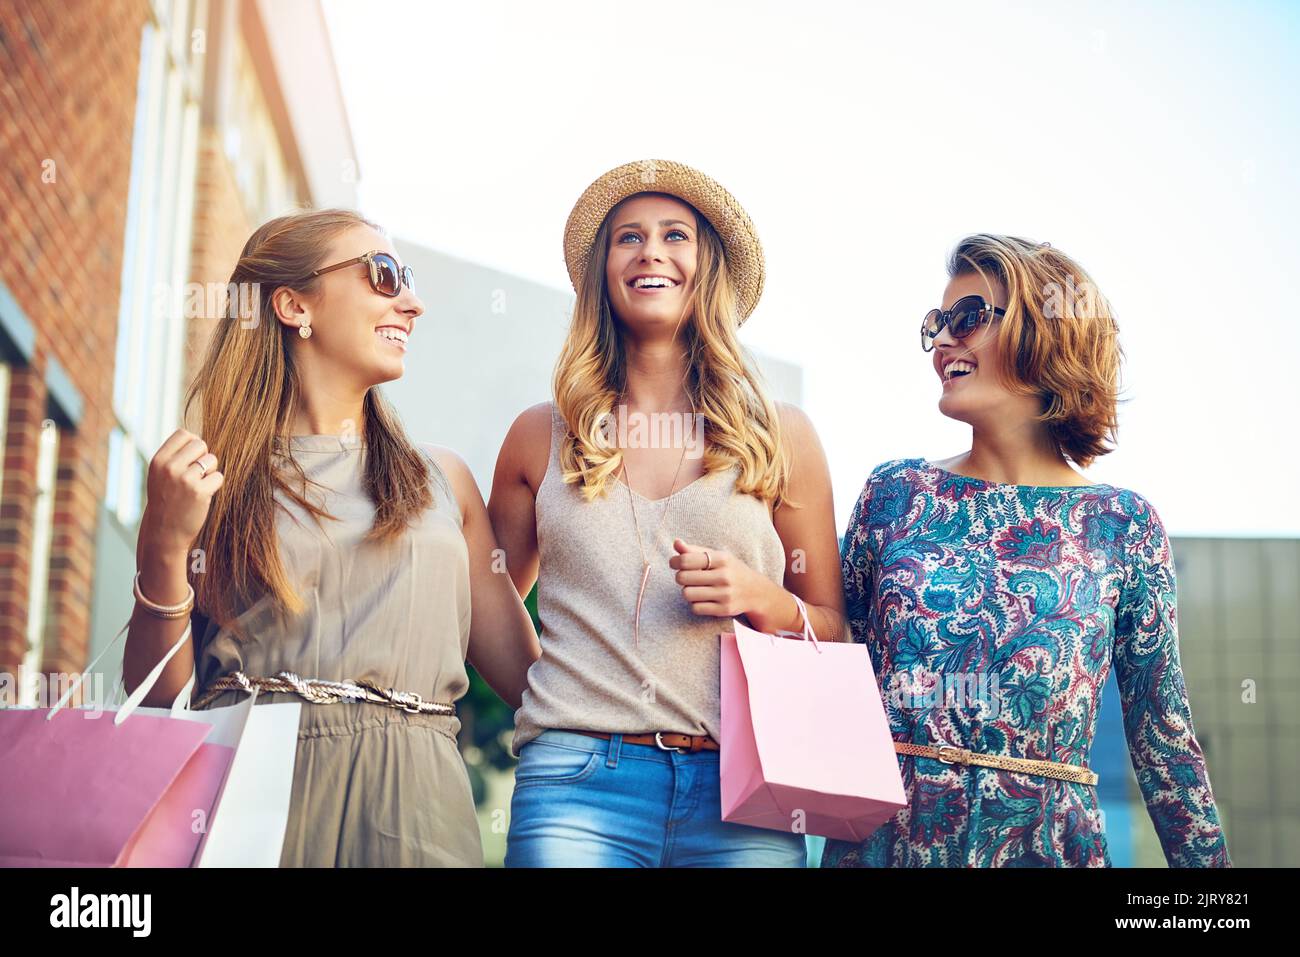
x,y
140,143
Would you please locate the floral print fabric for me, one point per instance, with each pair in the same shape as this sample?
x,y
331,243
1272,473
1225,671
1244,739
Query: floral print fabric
x,y
993,615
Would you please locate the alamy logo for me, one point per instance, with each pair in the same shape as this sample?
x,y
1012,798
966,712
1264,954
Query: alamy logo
x,y
625,429
102,910
922,689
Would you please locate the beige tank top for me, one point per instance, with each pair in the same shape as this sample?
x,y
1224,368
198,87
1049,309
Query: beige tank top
x,y
591,675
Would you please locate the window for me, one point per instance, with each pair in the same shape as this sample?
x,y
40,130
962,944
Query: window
x,y
253,146
47,458
155,260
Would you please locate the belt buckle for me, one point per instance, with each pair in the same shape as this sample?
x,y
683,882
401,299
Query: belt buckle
x,y
414,699
663,747
963,756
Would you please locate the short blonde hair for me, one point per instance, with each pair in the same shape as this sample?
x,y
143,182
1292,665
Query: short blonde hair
x,y
1057,340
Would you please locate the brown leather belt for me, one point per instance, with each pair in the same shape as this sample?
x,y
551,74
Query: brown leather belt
x,y
949,754
663,740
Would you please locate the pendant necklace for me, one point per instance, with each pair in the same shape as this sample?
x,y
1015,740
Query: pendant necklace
x,y
645,562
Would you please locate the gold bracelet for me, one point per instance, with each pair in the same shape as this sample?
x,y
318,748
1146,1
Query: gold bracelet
x,y
164,611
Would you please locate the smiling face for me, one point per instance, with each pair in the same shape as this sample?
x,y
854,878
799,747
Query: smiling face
x,y
357,334
968,369
651,261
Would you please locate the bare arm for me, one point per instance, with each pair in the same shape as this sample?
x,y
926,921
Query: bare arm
x,y
177,500
812,550
521,465
502,642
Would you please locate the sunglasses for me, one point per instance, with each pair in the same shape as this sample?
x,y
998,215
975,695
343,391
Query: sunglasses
x,y
386,277
966,315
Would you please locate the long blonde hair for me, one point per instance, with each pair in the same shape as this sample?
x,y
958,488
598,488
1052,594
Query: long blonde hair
x,y
741,423
249,390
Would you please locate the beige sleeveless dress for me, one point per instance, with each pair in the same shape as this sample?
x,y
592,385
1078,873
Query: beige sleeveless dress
x,y
373,785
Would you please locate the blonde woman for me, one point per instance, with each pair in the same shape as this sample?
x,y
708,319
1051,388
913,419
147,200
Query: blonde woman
x,y
996,590
645,542
321,551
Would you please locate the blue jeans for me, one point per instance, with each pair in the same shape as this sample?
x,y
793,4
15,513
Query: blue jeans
x,y
589,802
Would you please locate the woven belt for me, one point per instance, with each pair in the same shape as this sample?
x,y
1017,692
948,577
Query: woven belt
x,y
949,754
325,692
663,740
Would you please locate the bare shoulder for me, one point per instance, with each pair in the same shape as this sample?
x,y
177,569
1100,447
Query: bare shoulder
x,y
448,460
809,476
797,429
533,425
527,446
455,469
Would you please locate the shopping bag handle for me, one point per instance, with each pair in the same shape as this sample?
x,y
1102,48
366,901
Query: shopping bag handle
x,y
181,704
808,633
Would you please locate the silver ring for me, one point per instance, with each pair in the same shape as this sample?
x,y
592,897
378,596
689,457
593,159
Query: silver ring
x,y
708,560
202,468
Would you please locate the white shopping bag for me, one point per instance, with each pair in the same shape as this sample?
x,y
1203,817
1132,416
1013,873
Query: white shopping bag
x,y
248,830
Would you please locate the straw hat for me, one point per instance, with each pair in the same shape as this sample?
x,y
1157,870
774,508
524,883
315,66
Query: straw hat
x,y
740,240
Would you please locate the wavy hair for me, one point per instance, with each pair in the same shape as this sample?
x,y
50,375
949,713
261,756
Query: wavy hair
x,y
1058,339
249,388
741,424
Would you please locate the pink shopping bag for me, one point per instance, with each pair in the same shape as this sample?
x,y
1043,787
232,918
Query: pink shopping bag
x,y
134,787
79,791
805,742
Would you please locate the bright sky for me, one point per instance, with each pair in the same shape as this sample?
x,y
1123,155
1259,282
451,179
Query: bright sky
x,y
1157,143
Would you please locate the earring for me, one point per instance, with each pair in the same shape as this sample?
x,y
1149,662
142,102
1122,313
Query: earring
x,y
305,331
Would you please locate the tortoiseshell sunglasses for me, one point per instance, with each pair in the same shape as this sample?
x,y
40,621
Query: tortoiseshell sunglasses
x,y
386,277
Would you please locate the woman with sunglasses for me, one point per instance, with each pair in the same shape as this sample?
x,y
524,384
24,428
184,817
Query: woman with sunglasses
x,y
998,588
643,544
330,560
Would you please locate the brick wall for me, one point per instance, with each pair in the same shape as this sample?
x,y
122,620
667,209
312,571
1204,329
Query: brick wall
x,y
221,227
67,106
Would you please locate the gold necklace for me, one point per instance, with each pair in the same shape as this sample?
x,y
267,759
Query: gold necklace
x,y
645,562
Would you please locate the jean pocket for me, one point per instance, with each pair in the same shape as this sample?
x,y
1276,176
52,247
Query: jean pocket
x,y
543,763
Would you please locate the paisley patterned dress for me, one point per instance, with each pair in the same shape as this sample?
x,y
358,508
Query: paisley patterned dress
x,y
993,614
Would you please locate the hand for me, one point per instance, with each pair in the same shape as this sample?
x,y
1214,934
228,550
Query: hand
x,y
179,493
727,587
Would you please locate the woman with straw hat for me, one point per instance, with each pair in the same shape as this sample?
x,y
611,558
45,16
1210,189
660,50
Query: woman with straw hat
x,y
661,494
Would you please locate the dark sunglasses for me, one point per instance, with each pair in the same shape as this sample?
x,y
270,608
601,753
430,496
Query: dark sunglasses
x,y
966,315
386,277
